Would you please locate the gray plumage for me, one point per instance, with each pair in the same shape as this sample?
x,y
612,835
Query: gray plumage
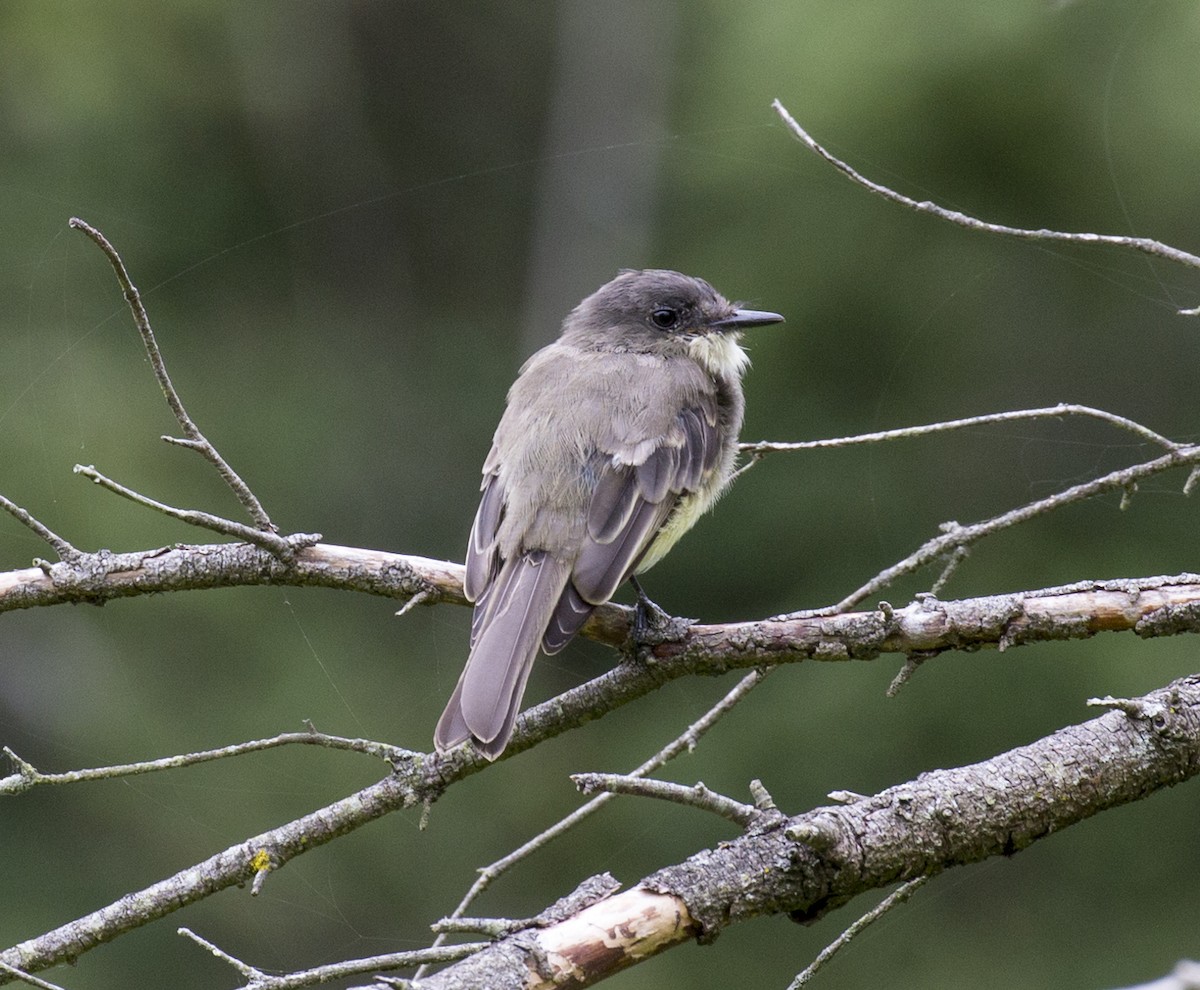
x,y
615,439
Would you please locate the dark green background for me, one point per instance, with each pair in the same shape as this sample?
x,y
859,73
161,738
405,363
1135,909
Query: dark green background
x,y
352,222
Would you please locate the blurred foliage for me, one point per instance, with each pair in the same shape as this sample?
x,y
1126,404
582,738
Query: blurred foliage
x,y
350,222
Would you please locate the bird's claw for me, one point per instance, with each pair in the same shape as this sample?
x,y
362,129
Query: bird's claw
x,y
651,624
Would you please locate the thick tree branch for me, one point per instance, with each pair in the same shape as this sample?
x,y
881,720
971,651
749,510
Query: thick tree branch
x,y
1149,606
810,864
1153,607
104,575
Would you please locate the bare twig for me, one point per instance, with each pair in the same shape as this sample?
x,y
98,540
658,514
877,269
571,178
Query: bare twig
x,y
491,927
284,547
64,549
591,891
695,796
249,972
895,898
195,439
1144,244
1048,412
29,978
420,598
27,776
259,980
952,546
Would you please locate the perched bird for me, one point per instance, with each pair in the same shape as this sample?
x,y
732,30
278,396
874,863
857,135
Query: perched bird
x,y
615,439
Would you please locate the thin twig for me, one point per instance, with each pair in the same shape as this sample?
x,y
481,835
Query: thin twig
x,y
694,796
283,547
249,972
1048,412
1144,244
64,549
259,980
493,928
196,439
28,776
29,978
420,598
896,897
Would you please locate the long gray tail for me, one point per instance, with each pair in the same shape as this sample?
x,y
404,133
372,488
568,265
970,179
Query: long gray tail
x,y
511,618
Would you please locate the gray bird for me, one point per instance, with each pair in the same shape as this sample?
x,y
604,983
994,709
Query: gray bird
x,y
615,440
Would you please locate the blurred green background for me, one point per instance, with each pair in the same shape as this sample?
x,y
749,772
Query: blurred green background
x,y
353,221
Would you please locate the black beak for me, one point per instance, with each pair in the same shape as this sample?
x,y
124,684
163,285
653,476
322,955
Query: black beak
x,y
743,318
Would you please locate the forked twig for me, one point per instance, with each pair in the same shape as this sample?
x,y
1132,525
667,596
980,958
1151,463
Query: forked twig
x,y
956,538
696,796
259,980
65,550
270,540
28,776
194,438
1144,244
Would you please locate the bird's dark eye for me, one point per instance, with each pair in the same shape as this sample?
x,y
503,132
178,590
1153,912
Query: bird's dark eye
x,y
665,318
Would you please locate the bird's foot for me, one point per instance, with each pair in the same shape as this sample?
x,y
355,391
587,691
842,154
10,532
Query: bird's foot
x,y
652,625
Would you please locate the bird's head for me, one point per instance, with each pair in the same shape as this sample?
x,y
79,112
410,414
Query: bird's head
x,y
664,313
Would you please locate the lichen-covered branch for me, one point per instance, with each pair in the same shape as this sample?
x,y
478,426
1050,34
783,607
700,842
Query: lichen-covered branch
x,y
1151,606
239,864
812,863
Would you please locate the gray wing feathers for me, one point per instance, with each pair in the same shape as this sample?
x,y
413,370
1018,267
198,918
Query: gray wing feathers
x,y
482,558
700,446
515,615
659,473
536,599
602,567
631,504
569,616
612,503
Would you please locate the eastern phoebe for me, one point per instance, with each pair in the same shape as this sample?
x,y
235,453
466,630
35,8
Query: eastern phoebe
x,y
615,440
